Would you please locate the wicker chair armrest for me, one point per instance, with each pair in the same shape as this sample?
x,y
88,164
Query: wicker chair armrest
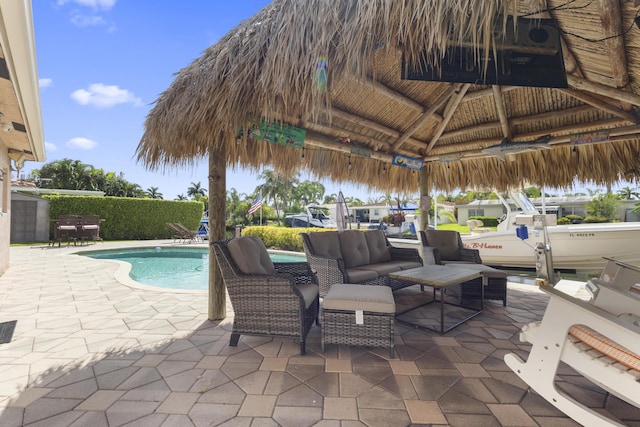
x,y
327,271
405,254
470,255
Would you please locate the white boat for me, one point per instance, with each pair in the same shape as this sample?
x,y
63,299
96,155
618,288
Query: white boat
x,y
579,247
315,216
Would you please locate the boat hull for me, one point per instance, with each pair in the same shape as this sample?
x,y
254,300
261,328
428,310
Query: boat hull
x,y
578,247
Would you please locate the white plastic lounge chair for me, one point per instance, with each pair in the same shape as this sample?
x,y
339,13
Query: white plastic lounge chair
x,y
599,339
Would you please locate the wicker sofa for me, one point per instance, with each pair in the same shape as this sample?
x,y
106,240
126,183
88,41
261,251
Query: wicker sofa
x,y
354,256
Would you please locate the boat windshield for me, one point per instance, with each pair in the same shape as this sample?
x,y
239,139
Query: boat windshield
x,y
522,201
318,213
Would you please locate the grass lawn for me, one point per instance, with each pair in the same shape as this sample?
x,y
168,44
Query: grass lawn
x,y
462,229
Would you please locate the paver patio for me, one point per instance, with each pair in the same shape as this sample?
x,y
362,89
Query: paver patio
x,y
90,350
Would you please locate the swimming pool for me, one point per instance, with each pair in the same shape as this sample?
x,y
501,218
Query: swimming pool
x,y
174,268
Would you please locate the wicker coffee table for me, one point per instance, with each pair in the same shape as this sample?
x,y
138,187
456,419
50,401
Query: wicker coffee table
x,y
440,277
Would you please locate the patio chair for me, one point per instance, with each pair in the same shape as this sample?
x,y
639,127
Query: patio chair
x,y
270,299
449,248
188,234
178,234
66,227
89,228
445,247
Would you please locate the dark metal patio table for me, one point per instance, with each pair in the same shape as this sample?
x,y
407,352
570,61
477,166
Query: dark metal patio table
x,y
441,277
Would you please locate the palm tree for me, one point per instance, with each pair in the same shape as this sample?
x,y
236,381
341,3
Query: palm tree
x,y
330,198
276,188
628,193
153,193
195,190
181,197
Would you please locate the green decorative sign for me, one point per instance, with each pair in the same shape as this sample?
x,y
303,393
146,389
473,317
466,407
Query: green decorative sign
x,y
278,133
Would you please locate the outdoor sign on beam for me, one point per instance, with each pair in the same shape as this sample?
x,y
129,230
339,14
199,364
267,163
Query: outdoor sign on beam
x,y
278,133
407,162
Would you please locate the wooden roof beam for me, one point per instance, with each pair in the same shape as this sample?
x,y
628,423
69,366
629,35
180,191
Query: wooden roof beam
x,y
427,115
601,104
398,97
515,121
600,89
611,18
501,108
557,133
453,103
358,120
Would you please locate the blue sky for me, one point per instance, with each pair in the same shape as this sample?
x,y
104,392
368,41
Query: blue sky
x,y
101,65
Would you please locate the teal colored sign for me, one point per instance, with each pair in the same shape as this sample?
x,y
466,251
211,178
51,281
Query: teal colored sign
x,y
278,133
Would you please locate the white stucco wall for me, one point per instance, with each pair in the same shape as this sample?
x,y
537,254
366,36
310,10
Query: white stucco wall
x,y
5,208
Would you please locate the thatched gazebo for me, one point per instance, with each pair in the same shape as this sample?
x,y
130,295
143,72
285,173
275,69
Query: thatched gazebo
x,y
407,95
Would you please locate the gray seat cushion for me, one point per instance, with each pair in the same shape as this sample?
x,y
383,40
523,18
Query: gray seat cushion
x,y
250,255
309,293
353,246
356,275
348,297
325,244
382,268
446,242
377,244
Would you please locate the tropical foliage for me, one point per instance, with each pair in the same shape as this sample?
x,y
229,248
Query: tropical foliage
x,y
74,175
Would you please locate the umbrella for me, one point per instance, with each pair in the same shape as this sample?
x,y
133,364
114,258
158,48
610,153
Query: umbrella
x,y
340,208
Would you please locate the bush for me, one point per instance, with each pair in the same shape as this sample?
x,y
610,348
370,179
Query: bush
x,y
574,219
487,221
595,219
127,218
284,238
564,220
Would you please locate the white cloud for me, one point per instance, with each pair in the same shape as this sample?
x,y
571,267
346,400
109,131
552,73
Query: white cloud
x,y
94,4
80,20
101,95
50,146
81,144
45,82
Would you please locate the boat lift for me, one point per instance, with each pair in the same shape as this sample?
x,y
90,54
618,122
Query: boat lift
x,y
542,248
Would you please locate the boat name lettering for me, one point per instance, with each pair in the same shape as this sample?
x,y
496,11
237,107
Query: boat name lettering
x,y
582,234
482,246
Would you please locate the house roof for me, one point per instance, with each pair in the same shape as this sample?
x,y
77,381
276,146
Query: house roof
x,y
335,71
21,118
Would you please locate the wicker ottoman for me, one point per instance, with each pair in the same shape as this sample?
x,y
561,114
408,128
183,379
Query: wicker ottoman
x,y
496,288
358,315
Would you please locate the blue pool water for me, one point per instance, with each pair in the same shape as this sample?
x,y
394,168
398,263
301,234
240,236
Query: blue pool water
x,y
174,268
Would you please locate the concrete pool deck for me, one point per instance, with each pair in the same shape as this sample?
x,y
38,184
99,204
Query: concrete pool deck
x,y
90,350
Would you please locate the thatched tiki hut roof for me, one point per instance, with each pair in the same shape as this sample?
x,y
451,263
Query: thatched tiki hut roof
x,y
343,73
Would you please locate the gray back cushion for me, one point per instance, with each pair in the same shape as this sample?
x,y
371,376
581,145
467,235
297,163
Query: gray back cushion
x,y
446,242
326,244
250,255
353,245
377,244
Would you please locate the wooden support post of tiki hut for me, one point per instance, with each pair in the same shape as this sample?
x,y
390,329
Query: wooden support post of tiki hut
x,y
424,191
217,206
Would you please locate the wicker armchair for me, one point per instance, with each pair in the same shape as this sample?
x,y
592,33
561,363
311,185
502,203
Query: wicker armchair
x,y
449,248
445,247
268,298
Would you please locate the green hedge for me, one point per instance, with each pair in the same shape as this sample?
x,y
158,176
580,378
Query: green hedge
x,y
487,221
285,238
127,218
